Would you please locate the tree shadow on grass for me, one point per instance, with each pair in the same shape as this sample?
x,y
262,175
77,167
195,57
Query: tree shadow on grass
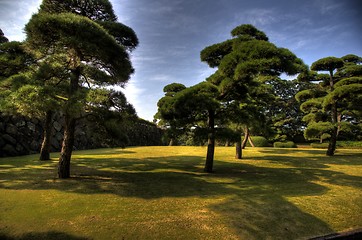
x,y
250,192
43,236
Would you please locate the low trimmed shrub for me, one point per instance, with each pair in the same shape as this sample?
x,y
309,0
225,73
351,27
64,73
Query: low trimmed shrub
x,y
340,144
319,145
288,144
258,141
349,144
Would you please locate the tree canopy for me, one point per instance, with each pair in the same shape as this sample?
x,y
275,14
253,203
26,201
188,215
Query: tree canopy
x,y
332,105
96,52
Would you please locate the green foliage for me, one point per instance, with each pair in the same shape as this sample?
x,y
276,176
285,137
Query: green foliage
x,y
316,129
100,10
327,64
288,144
3,39
258,141
350,144
333,106
173,88
340,144
13,59
68,30
351,58
319,145
248,30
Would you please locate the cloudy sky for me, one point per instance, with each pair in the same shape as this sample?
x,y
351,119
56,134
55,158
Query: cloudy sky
x,y
173,32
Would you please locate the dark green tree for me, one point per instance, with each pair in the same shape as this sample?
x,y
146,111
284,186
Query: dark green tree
x,y
195,106
2,37
167,116
284,115
246,64
94,55
334,100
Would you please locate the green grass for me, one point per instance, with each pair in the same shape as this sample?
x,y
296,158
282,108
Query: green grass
x,y
162,193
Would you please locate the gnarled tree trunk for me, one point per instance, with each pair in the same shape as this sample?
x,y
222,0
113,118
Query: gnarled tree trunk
x,y
45,146
67,148
69,129
246,137
211,143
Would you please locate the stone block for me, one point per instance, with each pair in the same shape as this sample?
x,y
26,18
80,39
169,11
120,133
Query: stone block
x,y
57,126
11,129
9,139
9,150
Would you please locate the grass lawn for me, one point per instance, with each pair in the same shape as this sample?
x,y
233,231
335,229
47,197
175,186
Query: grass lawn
x,y
162,193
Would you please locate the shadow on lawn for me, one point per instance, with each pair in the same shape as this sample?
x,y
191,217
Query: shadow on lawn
x,y
43,236
255,193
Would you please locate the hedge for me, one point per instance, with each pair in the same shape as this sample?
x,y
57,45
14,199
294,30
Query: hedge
x,y
288,144
258,141
340,144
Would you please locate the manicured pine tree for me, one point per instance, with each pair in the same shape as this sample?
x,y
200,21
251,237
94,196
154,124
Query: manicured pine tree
x,y
334,99
186,107
95,54
245,66
166,115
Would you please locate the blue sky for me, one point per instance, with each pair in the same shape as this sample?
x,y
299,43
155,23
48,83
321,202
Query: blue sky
x,y
173,32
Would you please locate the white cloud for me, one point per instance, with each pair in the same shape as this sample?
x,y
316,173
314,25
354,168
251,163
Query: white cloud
x,y
259,16
327,6
14,15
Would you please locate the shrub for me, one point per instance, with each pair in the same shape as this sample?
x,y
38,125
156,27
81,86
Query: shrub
x,y
319,145
258,141
340,144
349,144
287,144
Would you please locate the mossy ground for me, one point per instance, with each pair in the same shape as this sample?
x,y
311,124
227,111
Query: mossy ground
x,y
163,193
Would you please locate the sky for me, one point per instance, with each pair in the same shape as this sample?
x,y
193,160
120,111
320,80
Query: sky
x,y
173,32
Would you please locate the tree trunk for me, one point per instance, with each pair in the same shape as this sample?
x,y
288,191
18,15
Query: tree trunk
x,y
333,141
251,141
211,143
246,137
69,128
67,147
238,154
45,146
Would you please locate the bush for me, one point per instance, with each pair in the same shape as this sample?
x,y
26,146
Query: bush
x,y
340,144
319,145
349,144
288,144
258,141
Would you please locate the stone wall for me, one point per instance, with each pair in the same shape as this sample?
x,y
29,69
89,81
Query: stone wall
x,y
21,136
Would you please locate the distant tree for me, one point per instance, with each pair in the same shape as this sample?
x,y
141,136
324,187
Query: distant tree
x,y
200,104
246,64
94,55
284,115
3,39
334,100
189,107
166,114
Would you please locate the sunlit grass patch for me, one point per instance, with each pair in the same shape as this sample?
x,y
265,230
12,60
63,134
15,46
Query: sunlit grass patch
x,y
163,193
